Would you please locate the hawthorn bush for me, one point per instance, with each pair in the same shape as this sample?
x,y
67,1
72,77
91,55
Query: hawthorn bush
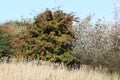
x,y
98,45
49,38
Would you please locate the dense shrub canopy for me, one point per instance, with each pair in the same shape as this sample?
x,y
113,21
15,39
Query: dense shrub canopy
x,y
49,38
98,44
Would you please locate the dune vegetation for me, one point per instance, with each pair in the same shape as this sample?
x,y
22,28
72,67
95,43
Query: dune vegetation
x,y
47,71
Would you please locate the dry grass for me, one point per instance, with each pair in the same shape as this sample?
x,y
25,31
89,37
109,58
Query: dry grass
x,y
32,71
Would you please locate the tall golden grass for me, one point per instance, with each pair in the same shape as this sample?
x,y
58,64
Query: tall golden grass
x,y
46,71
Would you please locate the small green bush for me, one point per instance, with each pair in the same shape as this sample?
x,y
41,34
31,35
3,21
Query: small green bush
x,y
4,43
112,61
49,38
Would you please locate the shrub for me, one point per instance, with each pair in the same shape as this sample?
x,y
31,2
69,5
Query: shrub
x,y
4,43
111,61
98,44
92,40
113,55
49,38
